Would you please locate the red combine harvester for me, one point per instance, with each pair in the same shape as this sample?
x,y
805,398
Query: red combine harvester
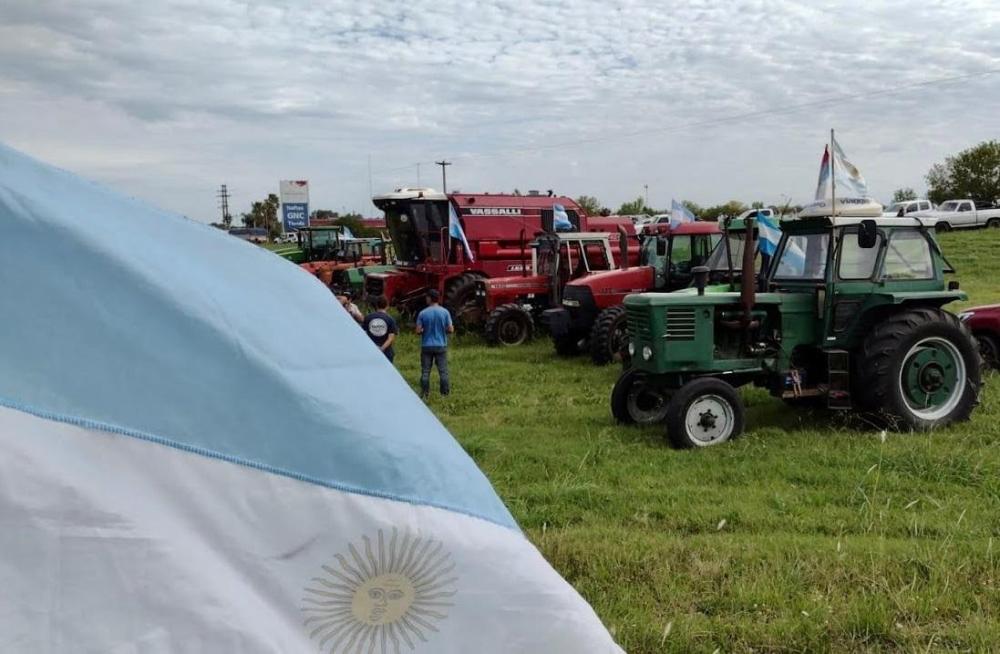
x,y
498,227
592,314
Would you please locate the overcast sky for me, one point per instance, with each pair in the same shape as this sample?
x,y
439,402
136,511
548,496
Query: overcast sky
x,y
166,100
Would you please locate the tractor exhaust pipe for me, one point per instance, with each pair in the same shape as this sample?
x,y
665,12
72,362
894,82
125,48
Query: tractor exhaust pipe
x,y
748,286
623,247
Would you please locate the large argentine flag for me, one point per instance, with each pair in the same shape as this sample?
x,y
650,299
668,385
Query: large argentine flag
x,y
200,452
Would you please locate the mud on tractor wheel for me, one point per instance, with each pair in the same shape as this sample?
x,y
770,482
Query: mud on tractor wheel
x,y
460,300
919,369
509,324
609,336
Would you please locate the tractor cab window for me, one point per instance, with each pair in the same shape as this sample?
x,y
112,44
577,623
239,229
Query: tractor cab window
x,y
680,251
650,251
857,262
803,257
404,232
578,262
908,256
717,261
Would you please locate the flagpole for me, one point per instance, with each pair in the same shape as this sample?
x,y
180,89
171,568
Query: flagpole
x,y
833,177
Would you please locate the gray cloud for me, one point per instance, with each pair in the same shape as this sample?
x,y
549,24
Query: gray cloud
x,y
167,100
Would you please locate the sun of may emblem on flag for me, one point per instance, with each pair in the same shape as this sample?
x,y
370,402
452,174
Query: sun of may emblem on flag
x,y
382,599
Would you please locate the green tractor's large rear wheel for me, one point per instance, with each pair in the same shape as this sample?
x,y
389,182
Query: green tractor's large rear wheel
x,y
703,412
634,400
919,369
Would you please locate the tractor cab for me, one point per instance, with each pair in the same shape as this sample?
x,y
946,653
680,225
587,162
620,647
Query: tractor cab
x,y
513,303
321,243
673,252
850,319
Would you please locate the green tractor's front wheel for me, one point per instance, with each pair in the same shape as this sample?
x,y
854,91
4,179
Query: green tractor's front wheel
x,y
920,369
703,412
634,400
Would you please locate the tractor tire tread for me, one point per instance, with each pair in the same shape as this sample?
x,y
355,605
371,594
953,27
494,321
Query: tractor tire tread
x,y
602,333
491,329
880,349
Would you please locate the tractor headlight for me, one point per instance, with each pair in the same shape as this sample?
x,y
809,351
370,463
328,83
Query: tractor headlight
x,y
647,353
631,349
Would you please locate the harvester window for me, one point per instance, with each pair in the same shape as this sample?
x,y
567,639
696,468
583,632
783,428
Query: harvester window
x,y
804,257
857,262
908,256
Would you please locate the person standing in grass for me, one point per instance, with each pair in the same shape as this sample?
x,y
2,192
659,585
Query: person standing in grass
x,y
351,308
381,327
434,324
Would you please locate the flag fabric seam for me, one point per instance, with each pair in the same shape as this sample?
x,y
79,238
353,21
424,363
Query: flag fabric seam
x,y
117,430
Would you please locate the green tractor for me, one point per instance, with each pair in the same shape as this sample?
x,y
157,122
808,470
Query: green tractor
x,y
849,318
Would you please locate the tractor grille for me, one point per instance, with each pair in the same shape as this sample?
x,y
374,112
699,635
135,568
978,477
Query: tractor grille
x,y
680,324
638,323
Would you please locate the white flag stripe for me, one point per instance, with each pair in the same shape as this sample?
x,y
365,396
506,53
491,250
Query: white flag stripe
x,y
112,543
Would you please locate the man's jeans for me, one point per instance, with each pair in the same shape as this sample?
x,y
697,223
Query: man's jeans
x,y
430,356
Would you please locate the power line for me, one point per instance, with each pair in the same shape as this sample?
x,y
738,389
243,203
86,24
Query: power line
x,y
760,113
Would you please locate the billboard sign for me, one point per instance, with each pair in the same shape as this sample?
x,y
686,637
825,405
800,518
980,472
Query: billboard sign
x,y
294,196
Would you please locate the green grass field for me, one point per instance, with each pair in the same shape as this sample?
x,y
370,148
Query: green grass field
x,y
808,534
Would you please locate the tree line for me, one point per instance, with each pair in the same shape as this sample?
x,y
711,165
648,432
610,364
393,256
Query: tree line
x,y
972,173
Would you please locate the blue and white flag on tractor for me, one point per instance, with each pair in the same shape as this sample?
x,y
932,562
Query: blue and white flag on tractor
x,y
455,231
848,177
850,183
679,214
770,234
560,219
179,474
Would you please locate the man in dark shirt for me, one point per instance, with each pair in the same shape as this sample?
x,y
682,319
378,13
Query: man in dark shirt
x,y
381,328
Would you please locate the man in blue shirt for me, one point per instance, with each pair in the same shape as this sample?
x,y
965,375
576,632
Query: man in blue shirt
x,y
434,324
381,328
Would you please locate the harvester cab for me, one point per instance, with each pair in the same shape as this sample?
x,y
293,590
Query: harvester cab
x,y
512,304
591,315
417,220
850,319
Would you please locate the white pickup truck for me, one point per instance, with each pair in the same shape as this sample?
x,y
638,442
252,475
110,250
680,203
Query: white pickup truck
x,y
958,214
908,208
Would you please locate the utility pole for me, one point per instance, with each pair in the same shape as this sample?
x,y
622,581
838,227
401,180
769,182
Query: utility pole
x,y
444,176
646,187
223,196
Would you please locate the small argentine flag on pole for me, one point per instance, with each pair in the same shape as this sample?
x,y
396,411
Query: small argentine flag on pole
x,y
770,234
679,214
455,231
178,474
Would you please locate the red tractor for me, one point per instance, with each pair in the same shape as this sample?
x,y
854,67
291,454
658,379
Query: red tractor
x,y
592,315
984,323
513,304
498,228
